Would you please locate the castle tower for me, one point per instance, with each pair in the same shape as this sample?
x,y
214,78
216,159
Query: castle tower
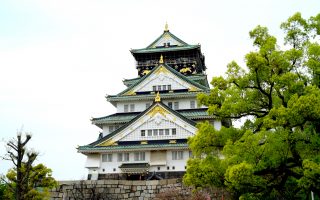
x,y
147,137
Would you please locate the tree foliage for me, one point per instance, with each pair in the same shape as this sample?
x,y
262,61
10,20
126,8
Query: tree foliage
x,y
26,180
276,152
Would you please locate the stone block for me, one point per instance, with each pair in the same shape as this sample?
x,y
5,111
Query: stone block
x,y
100,182
171,181
138,187
111,182
138,182
163,182
153,182
117,190
137,193
126,187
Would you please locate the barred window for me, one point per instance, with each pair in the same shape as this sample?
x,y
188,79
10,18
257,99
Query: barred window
x,y
126,108
177,155
107,157
192,104
176,105
143,133
174,131
139,156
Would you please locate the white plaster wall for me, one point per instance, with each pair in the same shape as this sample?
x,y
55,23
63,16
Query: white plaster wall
x,y
93,161
183,130
162,79
141,105
109,166
178,164
217,124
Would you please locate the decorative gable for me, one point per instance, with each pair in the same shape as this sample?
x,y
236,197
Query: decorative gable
x,y
158,117
163,77
166,40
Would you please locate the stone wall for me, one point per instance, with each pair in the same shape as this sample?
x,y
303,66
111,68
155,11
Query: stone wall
x,y
124,189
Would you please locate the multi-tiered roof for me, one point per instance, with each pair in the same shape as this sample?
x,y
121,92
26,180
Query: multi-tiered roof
x,y
168,61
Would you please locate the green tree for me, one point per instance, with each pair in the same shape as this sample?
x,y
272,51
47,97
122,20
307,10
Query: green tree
x,y
275,154
26,180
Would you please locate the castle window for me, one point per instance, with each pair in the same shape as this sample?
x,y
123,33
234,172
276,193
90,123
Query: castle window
x,y
159,87
169,87
143,133
149,132
119,157
155,132
154,88
139,156
164,87
176,105
160,131
123,157
107,157
170,104
111,129
174,131
167,131
126,108
177,155
131,107
192,104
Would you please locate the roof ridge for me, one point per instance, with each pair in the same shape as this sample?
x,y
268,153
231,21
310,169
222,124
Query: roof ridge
x,y
171,35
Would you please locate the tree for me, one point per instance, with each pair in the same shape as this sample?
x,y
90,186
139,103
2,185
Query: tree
x,y
24,180
275,154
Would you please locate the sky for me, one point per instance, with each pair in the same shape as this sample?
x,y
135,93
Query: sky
x,y
60,58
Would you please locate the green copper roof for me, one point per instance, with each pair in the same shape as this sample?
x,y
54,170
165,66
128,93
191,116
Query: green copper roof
x,y
119,148
176,45
169,95
164,49
178,74
194,114
170,35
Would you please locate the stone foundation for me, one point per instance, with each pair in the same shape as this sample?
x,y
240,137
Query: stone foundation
x,y
116,176
124,189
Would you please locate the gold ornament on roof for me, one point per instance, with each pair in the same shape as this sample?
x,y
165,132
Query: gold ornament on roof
x,y
161,59
166,28
157,98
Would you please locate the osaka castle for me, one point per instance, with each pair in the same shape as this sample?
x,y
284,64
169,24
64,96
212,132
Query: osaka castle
x,y
156,114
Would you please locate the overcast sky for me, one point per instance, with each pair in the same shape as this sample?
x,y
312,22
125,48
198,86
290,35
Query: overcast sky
x,y
59,58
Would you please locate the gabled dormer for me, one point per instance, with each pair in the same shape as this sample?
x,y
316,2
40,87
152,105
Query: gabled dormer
x,y
179,55
164,79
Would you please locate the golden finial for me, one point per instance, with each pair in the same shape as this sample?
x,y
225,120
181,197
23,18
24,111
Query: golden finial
x,y
161,59
166,28
157,98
